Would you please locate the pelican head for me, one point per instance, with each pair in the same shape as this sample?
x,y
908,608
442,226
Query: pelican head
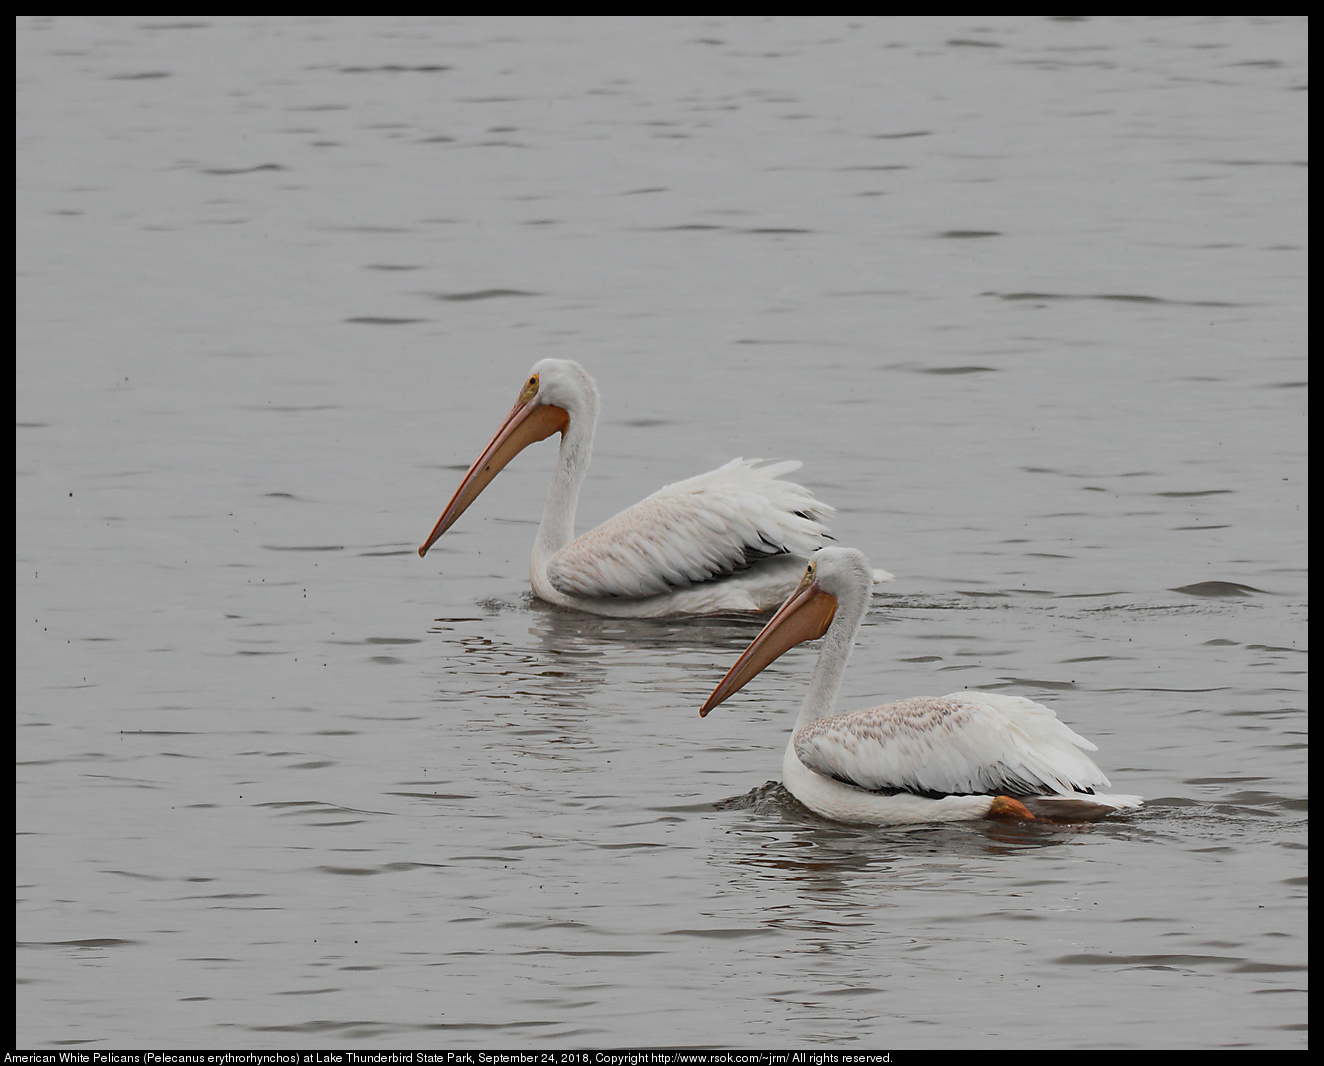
x,y
833,575
555,393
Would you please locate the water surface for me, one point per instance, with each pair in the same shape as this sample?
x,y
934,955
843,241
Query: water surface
x,y
1028,297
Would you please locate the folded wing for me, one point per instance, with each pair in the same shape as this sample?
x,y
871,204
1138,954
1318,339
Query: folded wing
x,y
968,743
697,530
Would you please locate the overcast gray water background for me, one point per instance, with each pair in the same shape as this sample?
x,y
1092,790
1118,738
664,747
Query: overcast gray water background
x,y
1027,297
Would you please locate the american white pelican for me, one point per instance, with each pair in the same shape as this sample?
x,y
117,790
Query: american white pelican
x,y
733,539
929,759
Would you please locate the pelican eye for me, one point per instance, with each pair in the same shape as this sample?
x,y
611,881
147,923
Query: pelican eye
x,y
530,389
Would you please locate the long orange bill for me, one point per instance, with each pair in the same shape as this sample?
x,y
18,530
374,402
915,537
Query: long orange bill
x,y
526,424
805,616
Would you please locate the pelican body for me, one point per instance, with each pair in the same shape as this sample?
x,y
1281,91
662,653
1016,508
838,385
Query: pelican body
x,y
733,539
930,759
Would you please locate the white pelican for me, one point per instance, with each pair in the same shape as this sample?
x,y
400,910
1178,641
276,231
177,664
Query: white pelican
x,y
733,539
929,759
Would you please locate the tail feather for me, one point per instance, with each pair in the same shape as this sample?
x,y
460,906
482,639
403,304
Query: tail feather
x,y
1079,807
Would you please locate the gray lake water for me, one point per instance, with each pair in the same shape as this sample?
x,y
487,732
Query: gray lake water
x,y
1027,297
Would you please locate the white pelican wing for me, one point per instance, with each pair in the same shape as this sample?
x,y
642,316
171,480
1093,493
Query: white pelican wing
x,y
965,743
693,531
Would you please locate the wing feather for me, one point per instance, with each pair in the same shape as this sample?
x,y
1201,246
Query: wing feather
x,y
692,531
968,743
